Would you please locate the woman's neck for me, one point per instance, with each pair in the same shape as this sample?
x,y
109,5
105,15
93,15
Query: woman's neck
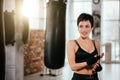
x,y
84,38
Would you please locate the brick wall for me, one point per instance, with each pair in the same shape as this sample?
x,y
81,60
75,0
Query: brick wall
x,y
34,52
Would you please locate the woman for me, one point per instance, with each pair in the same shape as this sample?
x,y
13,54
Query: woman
x,y
84,53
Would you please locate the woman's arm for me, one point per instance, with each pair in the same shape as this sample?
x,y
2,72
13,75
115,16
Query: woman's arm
x,y
97,66
71,49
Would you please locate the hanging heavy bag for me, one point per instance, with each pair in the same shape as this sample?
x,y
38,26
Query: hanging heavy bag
x,y
9,24
2,44
25,31
54,54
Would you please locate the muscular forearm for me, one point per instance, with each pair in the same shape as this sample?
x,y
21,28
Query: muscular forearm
x,y
78,66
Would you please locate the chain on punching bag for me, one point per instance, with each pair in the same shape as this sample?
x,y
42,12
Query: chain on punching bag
x,y
2,45
55,35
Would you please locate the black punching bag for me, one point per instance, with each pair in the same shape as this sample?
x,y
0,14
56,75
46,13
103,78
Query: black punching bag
x,y
25,31
55,35
9,24
2,45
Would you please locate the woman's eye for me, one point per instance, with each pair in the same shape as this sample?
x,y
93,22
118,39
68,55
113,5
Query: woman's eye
x,y
87,26
80,26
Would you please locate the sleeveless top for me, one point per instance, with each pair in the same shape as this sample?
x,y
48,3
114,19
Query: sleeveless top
x,y
83,56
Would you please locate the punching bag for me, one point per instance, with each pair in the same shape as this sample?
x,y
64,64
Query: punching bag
x,y
54,53
9,27
2,44
25,31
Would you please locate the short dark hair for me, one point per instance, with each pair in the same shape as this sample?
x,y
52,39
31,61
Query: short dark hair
x,y
85,17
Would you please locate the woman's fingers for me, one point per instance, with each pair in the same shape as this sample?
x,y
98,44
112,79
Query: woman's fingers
x,y
95,66
101,55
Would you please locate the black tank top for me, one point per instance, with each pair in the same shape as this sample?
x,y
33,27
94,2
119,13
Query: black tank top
x,y
82,56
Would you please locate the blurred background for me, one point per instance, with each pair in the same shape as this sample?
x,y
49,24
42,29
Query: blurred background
x,y
25,28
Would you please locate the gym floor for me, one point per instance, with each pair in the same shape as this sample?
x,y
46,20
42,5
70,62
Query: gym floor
x,y
109,72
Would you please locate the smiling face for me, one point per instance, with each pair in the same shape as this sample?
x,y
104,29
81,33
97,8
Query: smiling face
x,y
84,28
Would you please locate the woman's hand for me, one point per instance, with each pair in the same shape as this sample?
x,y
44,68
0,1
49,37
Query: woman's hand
x,y
97,66
92,60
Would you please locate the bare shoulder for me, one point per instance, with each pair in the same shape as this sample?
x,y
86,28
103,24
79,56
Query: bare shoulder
x,y
70,42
